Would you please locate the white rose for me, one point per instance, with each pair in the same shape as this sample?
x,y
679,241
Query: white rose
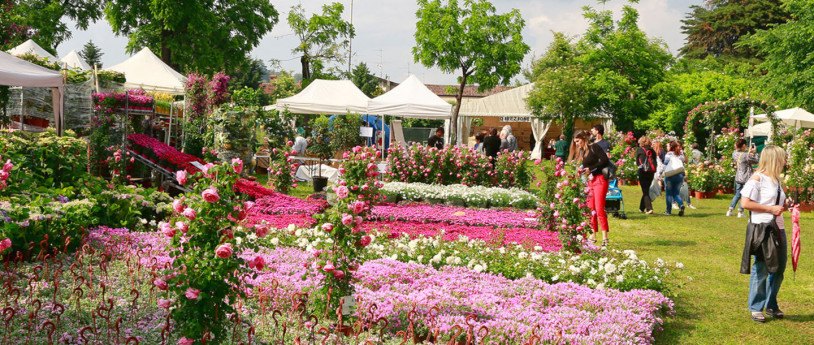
x,y
610,268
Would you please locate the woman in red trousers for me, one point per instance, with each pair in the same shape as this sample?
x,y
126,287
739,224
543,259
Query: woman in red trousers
x,y
593,161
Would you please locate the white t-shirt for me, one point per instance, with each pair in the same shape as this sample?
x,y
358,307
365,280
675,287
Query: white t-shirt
x,y
764,192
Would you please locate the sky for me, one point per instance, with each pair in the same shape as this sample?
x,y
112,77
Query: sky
x,y
385,28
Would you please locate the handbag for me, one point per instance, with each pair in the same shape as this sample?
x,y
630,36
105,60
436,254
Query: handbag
x,y
674,167
609,171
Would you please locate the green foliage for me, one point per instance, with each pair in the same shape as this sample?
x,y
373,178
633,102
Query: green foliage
x,y
45,18
284,86
321,144
277,126
192,35
248,97
716,29
12,32
249,75
787,51
470,37
322,37
281,170
92,54
365,81
710,118
41,61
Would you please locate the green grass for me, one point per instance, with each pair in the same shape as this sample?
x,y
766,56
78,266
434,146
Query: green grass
x,y
711,301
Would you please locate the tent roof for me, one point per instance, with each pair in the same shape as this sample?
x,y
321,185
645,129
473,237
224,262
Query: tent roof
x,y
794,117
507,103
147,71
325,97
33,48
18,72
413,99
759,130
74,61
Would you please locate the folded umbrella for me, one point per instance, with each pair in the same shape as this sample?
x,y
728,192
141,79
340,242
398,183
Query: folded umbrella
x,y
795,236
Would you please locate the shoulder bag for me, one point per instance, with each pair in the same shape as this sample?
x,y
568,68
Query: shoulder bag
x,y
674,167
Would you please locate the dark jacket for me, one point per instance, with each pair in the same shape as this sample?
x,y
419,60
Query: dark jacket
x,y
595,160
436,142
762,240
491,145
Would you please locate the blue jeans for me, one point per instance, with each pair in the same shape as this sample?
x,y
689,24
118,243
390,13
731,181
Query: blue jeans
x,y
737,197
763,286
672,187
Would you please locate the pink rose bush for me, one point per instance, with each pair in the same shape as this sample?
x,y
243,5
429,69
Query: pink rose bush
x,y
282,168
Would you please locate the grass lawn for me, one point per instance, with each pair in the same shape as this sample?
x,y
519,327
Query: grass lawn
x,y
711,302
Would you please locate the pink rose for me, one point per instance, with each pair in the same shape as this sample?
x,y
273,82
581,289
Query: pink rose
x,y
359,220
178,205
357,149
192,293
132,159
181,177
211,195
358,207
365,240
161,284
166,229
190,213
248,205
3,175
5,244
186,341
224,250
257,263
206,168
117,158
339,274
7,167
341,192
327,227
261,230
183,227
164,303
329,267
342,171
237,165
347,220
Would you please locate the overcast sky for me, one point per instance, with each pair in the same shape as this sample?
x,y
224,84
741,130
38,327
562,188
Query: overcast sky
x,y
385,28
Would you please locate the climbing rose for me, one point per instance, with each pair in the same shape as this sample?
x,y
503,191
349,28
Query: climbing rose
x,y
192,293
261,230
224,250
327,227
183,227
5,244
341,192
161,284
181,177
190,213
211,195
237,165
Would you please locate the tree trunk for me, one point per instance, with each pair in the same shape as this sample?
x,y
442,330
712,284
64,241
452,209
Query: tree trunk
x,y
306,68
453,128
166,53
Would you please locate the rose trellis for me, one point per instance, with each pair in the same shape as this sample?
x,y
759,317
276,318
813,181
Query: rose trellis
x,y
709,118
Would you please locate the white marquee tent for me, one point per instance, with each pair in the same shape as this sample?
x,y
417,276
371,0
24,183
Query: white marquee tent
x,y
74,61
794,117
759,130
147,71
325,97
411,99
31,47
507,103
17,72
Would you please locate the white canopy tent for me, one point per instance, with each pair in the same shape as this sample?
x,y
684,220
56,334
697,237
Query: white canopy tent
x,y
31,47
74,61
759,130
325,97
794,117
145,70
18,72
507,103
411,99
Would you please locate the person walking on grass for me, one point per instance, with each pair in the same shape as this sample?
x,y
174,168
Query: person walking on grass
x,y
743,160
561,148
598,133
673,172
593,161
647,160
763,196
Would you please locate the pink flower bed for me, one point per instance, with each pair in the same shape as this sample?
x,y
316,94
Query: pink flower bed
x,y
424,213
277,203
504,236
252,189
166,152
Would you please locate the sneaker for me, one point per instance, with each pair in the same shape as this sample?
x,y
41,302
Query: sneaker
x,y
675,206
666,213
692,207
729,213
741,215
649,212
681,211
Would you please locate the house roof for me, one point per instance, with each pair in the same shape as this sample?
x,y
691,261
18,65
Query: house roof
x,y
469,90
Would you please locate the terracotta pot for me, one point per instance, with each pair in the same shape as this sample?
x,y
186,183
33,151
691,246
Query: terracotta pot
x,y
806,207
700,195
711,194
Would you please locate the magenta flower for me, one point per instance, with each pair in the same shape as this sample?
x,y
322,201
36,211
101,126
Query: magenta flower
x,y
186,341
192,293
261,230
327,227
190,213
347,220
5,244
166,229
8,166
183,227
181,177
164,303
237,165
161,284
178,205
341,192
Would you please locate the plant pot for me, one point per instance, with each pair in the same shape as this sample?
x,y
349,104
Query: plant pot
x,y
320,183
632,182
700,195
711,194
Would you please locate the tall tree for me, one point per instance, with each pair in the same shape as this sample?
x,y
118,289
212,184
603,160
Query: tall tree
x,y
191,35
322,37
715,29
45,18
365,81
486,48
250,75
625,64
92,54
789,63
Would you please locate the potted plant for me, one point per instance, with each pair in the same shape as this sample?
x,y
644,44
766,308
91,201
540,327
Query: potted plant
x,y
321,146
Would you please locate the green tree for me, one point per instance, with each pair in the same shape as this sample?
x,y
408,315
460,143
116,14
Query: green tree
x,y
203,36
44,17
625,64
250,75
486,48
560,91
284,86
12,32
365,81
92,54
715,29
322,37
788,63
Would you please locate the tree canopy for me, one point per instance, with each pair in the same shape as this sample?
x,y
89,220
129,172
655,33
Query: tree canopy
x,y
365,81
92,54
469,37
203,36
44,19
322,37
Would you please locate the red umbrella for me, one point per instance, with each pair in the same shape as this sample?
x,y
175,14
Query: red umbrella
x,y
795,236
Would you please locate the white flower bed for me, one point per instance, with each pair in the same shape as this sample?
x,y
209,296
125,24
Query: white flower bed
x,y
477,196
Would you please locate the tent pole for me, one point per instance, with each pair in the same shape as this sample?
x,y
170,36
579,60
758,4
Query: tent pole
x,y
22,109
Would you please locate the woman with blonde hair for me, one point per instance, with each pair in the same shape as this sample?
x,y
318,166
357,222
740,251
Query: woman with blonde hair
x,y
763,196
